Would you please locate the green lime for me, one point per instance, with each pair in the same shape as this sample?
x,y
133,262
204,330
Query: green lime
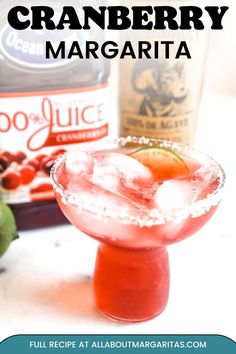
x,y
165,164
8,231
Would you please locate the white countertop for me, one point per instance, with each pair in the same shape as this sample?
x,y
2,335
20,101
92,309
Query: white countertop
x,y
46,286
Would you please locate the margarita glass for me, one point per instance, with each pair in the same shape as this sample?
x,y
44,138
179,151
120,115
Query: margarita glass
x,y
136,196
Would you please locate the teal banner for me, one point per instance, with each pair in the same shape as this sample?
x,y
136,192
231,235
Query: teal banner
x,y
117,344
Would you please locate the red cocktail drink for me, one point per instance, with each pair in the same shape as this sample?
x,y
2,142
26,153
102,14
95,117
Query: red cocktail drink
x,y
136,200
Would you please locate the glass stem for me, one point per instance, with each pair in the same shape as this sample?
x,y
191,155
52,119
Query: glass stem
x,y
131,285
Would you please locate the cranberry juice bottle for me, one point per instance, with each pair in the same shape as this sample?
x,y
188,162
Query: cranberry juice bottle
x,y
46,105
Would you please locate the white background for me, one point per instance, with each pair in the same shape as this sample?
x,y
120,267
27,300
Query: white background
x,y
47,284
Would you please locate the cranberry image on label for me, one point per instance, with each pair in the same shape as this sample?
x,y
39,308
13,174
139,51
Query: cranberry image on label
x,y
11,179
32,162
19,156
27,173
4,162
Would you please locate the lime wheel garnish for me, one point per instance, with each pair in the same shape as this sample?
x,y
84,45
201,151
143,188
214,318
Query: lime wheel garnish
x,y
164,164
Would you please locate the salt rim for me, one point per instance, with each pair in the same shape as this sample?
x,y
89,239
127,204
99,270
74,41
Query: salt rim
x,y
144,216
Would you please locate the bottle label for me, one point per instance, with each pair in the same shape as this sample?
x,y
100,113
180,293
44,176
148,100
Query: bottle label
x,y
36,127
157,101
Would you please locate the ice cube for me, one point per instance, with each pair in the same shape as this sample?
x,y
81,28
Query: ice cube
x,y
127,165
123,175
107,177
140,192
205,180
119,166
78,161
204,174
175,194
92,194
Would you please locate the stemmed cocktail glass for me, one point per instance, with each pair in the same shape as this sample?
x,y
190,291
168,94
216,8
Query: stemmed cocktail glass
x,y
134,222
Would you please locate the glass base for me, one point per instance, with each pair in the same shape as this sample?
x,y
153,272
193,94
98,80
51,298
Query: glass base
x,y
131,285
